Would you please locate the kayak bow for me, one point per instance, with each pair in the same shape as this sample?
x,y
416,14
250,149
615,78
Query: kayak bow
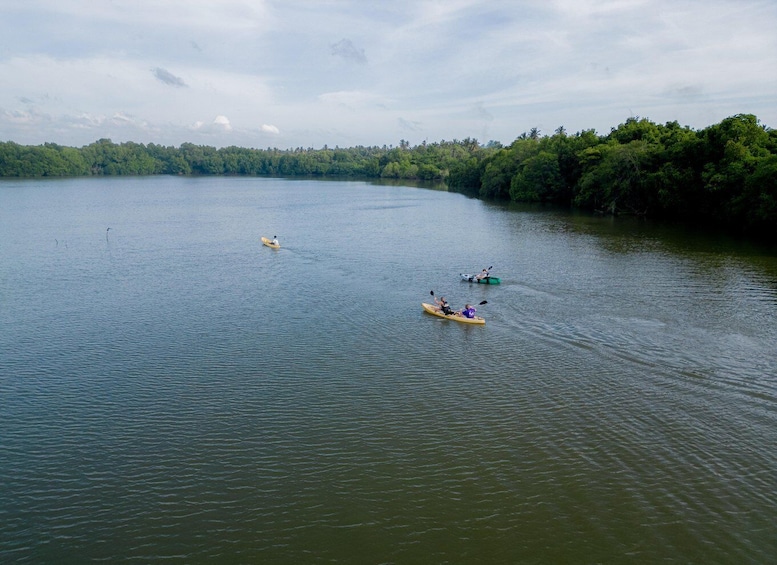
x,y
269,243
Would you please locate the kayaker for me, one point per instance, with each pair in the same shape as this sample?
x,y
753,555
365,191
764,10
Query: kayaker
x,y
275,240
468,312
443,304
483,274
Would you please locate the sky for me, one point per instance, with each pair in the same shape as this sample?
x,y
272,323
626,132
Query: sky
x,y
315,73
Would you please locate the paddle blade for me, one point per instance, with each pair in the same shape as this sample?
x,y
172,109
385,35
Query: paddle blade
x,y
484,302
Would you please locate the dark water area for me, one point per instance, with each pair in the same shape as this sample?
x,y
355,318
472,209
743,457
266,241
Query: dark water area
x,y
172,390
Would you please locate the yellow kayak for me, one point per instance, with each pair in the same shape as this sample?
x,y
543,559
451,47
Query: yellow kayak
x,y
435,311
269,243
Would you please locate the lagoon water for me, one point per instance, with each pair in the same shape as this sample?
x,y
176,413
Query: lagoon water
x,y
172,390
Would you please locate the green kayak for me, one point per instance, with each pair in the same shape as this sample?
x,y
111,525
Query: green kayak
x,y
484,280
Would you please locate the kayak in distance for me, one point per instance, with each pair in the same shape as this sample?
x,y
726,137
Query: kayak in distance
x,y
435,311
484,280
269,243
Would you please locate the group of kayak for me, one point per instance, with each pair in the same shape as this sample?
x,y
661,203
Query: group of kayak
x,y
466,315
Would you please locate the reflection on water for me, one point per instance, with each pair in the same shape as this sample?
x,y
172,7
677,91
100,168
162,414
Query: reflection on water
x,y
172,389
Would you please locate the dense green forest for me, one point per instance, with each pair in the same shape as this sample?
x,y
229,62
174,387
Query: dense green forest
x,y
724,175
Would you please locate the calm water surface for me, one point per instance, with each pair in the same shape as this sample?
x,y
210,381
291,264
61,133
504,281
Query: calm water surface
x,y
172,390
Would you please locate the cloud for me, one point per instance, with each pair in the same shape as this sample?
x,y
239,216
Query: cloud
x,y
19,117
407,125
219,124
270,129
348,51
121,118
222,122
167,77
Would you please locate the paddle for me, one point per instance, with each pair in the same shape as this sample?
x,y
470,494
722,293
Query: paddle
x,y
479,304
440,307
480,276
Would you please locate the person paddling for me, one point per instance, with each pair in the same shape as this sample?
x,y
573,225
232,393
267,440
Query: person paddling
x,y
443,305
483,274
468,311
275,240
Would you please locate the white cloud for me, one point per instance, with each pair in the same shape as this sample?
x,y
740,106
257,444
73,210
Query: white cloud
x,y
270,129
19,117
222,122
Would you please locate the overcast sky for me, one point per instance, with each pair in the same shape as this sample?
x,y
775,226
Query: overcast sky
x,y
309,73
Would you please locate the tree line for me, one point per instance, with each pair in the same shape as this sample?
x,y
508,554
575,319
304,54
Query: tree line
x,y
724,175
103,157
